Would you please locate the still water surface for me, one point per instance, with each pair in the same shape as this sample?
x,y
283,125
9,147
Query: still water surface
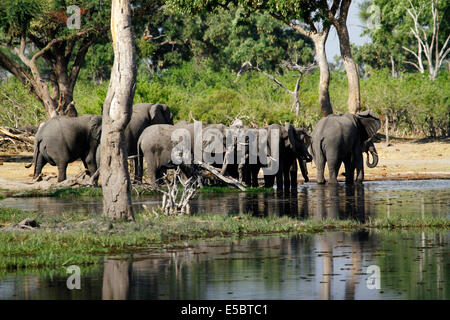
x,y
326,266
333,265
373,199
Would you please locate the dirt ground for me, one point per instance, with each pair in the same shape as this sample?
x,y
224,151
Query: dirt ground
x,y
412,159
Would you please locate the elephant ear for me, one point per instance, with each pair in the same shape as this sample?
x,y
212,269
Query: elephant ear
x,y
161,114
290,142
95,128
370,124
167,113
307,140
155,113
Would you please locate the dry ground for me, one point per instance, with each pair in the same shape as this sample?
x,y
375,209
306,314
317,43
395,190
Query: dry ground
x,y
412,159
405,159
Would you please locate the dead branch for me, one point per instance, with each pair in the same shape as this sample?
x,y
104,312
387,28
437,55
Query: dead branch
x,y
172,202
214,171
292,66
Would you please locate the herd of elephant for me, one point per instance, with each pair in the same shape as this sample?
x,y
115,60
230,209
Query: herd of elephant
x,y
149,136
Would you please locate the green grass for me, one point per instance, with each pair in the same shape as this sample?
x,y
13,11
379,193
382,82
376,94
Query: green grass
x,y
97,192
69,192
83,240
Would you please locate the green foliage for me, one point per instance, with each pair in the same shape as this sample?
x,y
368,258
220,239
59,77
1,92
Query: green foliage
x,y
89,96
393,32
219,96
98,62
16,15
17,106
411,101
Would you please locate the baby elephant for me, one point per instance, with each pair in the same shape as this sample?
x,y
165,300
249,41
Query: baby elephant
x,y
62,140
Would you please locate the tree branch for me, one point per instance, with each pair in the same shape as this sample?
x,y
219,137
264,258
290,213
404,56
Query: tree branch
x,y
248,66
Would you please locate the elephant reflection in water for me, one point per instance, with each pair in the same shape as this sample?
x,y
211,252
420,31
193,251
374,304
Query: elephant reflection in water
x,y
341,202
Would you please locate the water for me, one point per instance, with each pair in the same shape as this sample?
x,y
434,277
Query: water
x,y
326,266
332,265
373,199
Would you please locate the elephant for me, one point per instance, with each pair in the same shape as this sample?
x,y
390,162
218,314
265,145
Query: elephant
x,y
343,138
64,139
144,115
302,163
155,145
291,148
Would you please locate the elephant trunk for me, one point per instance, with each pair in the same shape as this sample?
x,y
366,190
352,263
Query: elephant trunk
x,y
374,162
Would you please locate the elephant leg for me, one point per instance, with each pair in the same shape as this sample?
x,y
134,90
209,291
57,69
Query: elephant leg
x,y
138,169
62,167
269,181
293,172
279,177
40,163
254,176
151,169
241,173
320,164
286,178
349,171
333,169
319,160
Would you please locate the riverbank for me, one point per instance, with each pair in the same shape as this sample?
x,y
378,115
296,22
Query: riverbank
x,y
83,240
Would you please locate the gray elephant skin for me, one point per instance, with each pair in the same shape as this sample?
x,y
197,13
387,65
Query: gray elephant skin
x,y
344,138
144,115
292,148
155,145
63,139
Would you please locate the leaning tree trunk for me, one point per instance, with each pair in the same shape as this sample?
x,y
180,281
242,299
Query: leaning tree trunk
x,y
351,69
114,174
324,96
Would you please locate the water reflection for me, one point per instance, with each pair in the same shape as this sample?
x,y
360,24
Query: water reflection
x,y
373,199
116,279
325,266
338,202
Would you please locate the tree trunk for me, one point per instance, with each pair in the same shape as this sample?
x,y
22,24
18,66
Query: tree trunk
x,y
351,69
114,174
324,95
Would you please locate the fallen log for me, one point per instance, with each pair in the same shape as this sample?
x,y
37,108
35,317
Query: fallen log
x,y
214,171
19,137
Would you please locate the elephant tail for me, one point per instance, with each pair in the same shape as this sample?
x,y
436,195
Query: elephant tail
x,y
139,158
